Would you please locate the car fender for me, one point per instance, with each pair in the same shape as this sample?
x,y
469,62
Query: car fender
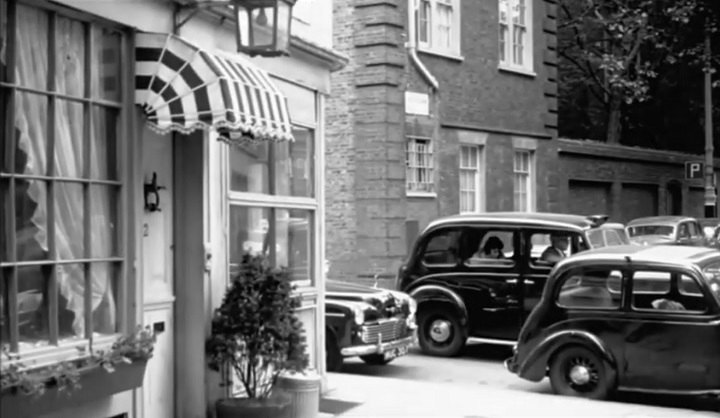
x,y
534,366
339,319
436,293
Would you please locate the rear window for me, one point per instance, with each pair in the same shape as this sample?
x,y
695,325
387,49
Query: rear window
x,y
650,230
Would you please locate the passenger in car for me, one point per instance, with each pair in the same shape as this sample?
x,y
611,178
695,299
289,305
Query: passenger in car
x,y
559,243
492,249
667,305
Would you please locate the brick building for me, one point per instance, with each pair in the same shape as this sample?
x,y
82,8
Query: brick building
x,y
446,106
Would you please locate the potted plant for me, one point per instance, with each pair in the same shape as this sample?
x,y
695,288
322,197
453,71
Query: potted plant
x,y
32,391
255,336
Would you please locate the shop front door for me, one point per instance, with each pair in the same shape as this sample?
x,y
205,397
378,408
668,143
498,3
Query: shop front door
x,y
158,274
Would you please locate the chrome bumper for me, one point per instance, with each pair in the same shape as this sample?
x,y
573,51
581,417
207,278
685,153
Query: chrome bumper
x,y
362,350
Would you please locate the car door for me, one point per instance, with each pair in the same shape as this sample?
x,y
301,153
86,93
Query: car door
x,y
671,333
489,286
534,272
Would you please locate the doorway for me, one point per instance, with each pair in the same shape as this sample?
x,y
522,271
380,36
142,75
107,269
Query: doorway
x,y
674,198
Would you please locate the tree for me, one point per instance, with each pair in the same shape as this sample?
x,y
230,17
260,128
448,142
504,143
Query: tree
x,y
613,50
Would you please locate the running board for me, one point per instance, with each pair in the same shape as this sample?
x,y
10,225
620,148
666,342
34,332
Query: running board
x,y
509,343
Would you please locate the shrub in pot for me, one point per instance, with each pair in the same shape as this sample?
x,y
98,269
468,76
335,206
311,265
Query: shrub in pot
x,y
255,336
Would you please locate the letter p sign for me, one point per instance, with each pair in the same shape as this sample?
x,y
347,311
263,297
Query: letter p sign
x,y
694,170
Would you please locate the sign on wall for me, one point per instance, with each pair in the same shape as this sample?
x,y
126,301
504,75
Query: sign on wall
x,y
694,170
417,103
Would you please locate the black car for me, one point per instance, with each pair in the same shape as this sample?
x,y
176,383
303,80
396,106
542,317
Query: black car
x,y
462,294
378,325
627,318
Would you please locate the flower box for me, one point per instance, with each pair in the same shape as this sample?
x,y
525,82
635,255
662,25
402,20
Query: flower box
x,y
95,383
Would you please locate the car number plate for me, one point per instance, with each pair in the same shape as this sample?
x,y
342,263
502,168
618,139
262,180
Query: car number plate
x,y
395,352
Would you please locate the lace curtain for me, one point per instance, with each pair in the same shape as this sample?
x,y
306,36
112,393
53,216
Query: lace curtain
x,y
31,122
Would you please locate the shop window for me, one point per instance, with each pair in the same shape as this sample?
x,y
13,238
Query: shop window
x,y
275,168
61,250
283,236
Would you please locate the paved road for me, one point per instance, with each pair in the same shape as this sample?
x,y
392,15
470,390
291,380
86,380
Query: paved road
x,y
481,364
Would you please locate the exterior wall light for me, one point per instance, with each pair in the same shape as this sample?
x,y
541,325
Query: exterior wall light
x,y
262,27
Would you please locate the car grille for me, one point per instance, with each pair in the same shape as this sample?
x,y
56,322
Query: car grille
x,y
388,330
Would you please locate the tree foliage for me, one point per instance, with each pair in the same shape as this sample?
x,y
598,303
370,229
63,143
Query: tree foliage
x,y
617,57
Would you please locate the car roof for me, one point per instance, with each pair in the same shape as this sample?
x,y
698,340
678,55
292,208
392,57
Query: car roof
x,y
655,254
524,218
659,220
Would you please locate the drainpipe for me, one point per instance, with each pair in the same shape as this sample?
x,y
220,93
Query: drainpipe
x,y
412,48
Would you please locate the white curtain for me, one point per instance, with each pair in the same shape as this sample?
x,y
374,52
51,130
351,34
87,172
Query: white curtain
x,y
69,153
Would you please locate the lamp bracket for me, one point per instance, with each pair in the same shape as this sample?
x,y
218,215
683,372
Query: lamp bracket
x,y
184,12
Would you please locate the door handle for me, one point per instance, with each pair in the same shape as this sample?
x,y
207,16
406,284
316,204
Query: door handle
x,y
529,281
511,281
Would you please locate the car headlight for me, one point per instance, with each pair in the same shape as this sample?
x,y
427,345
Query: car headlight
x,y
359,314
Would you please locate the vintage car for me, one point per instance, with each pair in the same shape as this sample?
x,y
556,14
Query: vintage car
x,y
626,318
678,230
378,325
460,295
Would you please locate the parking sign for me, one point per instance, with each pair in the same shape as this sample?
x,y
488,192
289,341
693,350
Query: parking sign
x,y
694,170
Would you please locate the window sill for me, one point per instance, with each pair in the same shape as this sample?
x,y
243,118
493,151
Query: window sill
x,y
429,195
442,54
517,70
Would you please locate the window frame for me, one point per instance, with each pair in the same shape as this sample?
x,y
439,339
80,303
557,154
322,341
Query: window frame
x,y
506,38
414,170
274,202
124,201
530,175
432,24
479,178
579,271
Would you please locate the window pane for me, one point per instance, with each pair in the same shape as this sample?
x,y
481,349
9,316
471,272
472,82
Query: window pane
x,y
104,306
32,306
103,154
589,289
31,47
30,133
105,67
249,167
294,238
442,248
103,221
69,225
71,301
3,38
69,151
4,320
31,220
69,57
294,165
248,232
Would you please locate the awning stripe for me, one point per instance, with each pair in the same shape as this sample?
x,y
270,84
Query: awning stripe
x,y
182,88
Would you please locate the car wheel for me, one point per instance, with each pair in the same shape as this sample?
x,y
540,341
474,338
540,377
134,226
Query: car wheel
x,y
577,371
375,359
333,357
440,333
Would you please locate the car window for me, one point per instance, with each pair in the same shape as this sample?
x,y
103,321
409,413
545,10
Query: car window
x,y
650,230
667,291
488,246
613,237
712,275
596,238
539,246
441,248
590,289
684,230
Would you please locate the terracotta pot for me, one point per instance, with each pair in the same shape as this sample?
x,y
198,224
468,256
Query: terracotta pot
x,y
95,383
275,407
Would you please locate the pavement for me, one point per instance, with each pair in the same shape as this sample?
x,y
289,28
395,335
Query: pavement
x,y
351,395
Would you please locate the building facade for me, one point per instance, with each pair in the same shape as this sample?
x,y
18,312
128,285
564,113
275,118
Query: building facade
x,y
446,106
112,110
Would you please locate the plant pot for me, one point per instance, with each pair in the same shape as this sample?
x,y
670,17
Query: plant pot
x,y
303,389
274,407
95,383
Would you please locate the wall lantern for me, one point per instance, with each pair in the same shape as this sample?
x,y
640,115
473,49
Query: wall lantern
x,y
262,27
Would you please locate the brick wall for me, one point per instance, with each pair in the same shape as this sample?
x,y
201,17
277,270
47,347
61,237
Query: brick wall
x,y
365,140
639,180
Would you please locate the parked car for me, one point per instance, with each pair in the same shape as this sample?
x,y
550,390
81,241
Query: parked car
x,y
460,295
626,318
378,325
679,230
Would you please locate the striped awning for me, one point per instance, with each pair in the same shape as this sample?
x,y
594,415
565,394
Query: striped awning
x,y
182,88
